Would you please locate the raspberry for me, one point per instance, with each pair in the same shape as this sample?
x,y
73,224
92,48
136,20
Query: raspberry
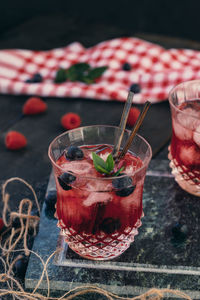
x,y
15,140
1,224
132,117
70,121
33,106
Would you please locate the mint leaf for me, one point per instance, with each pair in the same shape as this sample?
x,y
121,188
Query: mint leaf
x,y
110,163
96,72
99,163
61,76
119,171
76,71
102,170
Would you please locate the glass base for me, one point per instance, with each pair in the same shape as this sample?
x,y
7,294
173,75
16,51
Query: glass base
x,y
186,180
100,246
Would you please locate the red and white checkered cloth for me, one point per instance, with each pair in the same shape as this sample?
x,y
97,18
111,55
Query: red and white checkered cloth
x,y
154,68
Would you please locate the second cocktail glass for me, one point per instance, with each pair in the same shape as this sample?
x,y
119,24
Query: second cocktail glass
x,y
98,215
184,151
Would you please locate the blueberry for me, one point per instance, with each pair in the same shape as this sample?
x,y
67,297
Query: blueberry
x,y
16,223
124,186
20,267
49,212
35,212
65,179
126,67
51,198
74,153
179,232
110,225
29,81
135,88
37,77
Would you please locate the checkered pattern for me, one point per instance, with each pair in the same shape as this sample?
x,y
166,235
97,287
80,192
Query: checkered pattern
x,y
155,69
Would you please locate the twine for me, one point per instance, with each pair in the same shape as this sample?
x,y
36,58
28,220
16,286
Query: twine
x,y
15,289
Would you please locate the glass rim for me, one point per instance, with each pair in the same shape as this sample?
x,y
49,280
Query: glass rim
x,y
144,165
176,88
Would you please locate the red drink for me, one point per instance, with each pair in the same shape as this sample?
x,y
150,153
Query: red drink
x,y
185,145
98,214
93,209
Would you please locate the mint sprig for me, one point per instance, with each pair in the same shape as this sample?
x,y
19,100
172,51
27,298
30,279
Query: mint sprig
x,y
79,72
105,167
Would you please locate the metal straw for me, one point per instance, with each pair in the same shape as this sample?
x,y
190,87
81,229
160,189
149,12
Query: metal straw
x,y
122,124
134,131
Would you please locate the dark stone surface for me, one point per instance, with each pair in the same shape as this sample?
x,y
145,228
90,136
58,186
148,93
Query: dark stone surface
x,y
160,256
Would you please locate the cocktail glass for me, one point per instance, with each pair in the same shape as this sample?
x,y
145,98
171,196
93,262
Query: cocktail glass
x,y
184,151
97,223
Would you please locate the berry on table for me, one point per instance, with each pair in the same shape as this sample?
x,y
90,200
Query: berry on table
x,y
15,140
135,88
20,266
133,116
51,198
74,153
126,67
123,186
1,225
70,121
33,106
36,78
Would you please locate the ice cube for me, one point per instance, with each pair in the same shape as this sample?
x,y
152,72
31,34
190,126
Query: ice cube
x,y
97,197
78,167
189,155
184,125
196,136
98,192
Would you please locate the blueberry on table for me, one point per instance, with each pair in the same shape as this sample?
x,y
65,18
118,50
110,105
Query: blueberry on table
x,y
135,88
51,198
29,81
50,212
16,223
126,67
179,233
37,78
20,267
123,185
110,225
65,179
74,153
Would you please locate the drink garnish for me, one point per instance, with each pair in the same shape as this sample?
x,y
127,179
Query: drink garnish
x,y
79,72
105,167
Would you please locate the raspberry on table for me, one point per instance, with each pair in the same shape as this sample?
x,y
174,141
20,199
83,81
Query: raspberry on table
x,y
15,140
133,116
33,106
70,121
1,225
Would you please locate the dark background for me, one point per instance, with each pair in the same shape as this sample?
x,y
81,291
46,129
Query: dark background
x,y
92,21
